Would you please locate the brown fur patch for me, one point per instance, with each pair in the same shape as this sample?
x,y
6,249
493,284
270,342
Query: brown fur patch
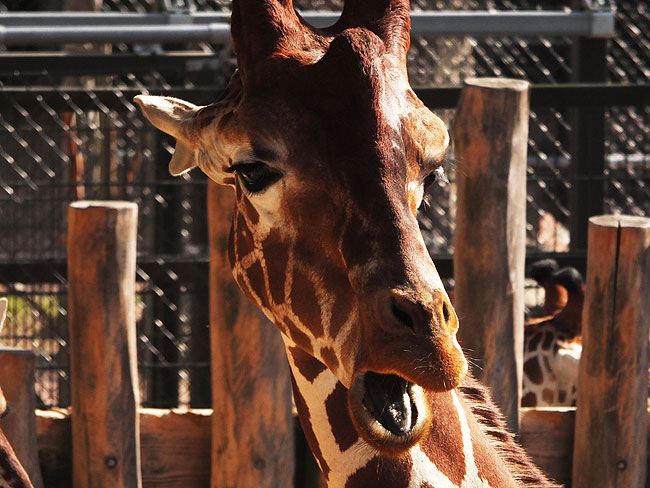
x,y
245,242
355,245
444,446
250,211
231,247
298,336
548,340
534,341
533,371
205,120
341,311
241,282
548,395
223,121
308,366
305,421
276,265
255,275
343,429
384,472
304,303
529,400
329,356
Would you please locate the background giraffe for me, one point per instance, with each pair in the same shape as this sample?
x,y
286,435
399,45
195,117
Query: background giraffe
x,y
555,295
328,150
552,344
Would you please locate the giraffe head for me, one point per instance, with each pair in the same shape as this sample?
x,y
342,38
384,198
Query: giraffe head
x,y
328,150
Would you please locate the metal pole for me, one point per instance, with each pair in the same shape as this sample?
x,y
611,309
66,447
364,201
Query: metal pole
x,y
58,28
43,35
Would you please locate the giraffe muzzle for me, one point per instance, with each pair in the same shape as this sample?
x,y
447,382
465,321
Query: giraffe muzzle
x,y
388,410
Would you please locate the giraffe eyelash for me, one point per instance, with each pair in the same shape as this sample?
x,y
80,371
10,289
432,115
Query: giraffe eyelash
x,y
440,175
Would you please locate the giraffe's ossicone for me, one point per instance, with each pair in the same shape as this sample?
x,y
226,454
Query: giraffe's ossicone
x,y
328,150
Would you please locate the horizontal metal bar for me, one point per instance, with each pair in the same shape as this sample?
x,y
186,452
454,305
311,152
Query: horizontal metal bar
x,y
63,19
577,259
58,28
63,99
46,35
60,62
54,271
557,95
514,23
188,269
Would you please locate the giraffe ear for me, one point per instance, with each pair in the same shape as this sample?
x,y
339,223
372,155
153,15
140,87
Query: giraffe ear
x,y
3,311
176,118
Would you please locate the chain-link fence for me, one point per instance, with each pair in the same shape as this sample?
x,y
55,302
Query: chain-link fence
x,y
68,130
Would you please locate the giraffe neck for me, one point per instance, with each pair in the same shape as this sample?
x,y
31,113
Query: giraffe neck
x,y
551,360
12,474
457,452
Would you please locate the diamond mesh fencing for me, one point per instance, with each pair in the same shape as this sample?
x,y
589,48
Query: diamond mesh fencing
x,y
628,128
61,140
69,131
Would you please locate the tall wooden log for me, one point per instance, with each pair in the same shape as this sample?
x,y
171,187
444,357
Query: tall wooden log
x,y
491,136
19,425
252,434
103,366
610,442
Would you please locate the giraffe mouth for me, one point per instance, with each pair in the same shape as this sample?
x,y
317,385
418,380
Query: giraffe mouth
x,y
387,398
387,409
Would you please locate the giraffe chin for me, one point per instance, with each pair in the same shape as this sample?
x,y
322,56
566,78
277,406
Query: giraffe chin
x,y
388,411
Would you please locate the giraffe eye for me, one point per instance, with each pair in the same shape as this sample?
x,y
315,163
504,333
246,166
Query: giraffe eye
x,y
255,175
438,175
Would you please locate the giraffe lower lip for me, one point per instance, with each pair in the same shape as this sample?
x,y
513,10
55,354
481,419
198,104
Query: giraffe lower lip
x,y
387,398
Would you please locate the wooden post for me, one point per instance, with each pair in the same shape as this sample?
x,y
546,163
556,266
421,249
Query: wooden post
x,y
252,434
491,137
19,425
103,368
610,445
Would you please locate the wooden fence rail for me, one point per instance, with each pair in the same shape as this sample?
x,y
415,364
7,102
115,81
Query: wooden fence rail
x,y
176,446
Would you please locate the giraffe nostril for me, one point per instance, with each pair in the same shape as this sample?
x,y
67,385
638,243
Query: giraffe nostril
x,y
410,314
420,318
399,312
